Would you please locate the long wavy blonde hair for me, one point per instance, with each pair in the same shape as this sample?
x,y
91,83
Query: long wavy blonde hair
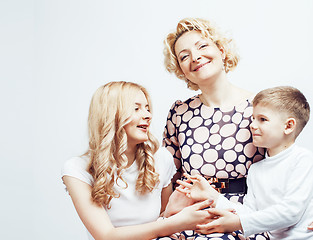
x,y
110,110
208,30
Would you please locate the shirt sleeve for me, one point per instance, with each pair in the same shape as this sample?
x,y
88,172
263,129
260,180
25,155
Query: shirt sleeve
x,y
77,167
166,166
170,141
292,205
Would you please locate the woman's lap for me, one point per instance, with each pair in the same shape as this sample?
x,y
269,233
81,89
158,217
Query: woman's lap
x,y
191,235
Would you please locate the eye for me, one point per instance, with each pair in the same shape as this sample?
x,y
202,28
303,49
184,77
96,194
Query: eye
x,y
262,119
136,109
184,57
203,46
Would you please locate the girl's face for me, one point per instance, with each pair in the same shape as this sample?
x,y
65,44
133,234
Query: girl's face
x,y
199,57
138,127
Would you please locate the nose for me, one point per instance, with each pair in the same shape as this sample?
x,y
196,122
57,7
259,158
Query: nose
x,y
147,115
253,124
195,56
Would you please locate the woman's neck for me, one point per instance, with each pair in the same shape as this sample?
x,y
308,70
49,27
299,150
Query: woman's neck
x,y
222,93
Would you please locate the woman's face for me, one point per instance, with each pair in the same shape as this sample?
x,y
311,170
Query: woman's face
x,y
199,57
138,127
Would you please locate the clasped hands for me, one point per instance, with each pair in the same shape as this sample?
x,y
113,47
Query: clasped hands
x,y
195,189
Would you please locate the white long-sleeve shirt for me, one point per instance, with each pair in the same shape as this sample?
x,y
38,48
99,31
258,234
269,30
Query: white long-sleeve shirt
x,y
280,196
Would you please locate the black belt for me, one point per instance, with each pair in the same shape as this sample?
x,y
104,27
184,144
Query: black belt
x,y
228,185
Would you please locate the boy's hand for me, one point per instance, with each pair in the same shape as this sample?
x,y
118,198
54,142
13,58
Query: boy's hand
x,y
226,221
310,227
197,188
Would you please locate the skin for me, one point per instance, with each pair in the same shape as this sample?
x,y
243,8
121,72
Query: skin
x,y
272,130
198,188
201,61
95,217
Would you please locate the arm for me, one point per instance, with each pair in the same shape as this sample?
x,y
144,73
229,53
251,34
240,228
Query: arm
x,y
165,195
198,188
170,141
97,221
226,221
187,194
289,210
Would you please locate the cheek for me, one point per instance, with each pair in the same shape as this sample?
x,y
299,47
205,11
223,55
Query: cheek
x,y
183,67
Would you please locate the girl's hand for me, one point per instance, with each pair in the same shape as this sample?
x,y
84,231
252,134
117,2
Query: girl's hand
x,y
192,216
176,203
197,188
225,221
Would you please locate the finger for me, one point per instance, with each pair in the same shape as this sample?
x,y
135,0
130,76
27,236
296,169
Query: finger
x,y
231,210
205,229
216,212
196,177
202,205
183,190
183,183
186,175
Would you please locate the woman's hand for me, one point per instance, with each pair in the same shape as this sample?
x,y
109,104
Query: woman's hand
x,y
225,221
197,188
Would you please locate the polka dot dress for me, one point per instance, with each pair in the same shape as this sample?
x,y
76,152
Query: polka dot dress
x,y
213,142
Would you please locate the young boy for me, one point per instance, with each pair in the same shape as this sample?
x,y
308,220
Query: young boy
x,y
280,193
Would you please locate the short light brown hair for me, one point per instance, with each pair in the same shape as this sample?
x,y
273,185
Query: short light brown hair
x,y
287,100
208,30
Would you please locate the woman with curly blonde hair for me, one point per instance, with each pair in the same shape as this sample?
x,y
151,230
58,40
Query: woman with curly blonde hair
x,y
122,183
208,134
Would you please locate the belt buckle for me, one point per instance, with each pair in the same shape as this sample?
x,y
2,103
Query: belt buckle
x,y
223,183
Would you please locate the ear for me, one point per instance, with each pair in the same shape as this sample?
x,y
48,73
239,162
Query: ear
x,y
223,53
290,125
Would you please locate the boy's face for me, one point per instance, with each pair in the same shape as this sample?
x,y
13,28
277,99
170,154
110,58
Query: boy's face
x,y
268,128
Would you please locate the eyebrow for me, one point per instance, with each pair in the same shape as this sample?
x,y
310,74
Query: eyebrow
x,y
186,49
147,105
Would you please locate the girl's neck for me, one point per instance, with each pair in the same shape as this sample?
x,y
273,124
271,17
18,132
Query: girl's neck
x,y
130,154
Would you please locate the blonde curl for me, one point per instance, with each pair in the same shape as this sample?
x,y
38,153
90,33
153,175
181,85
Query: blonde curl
x,y
110,110
208,30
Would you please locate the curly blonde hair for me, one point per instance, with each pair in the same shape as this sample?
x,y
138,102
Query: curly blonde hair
x,y
110,110
207,29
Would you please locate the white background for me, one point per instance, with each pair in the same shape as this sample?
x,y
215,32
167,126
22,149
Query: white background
x,y
55,53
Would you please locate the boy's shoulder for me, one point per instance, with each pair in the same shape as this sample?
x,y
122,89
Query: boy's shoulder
x,y
303,154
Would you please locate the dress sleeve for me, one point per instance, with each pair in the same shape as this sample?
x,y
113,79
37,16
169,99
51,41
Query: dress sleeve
x,y
77,167
170,141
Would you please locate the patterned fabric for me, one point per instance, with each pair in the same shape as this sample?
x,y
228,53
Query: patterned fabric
x,y
213,142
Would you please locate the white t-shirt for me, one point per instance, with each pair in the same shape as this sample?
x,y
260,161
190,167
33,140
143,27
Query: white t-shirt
x,y
130,208
280,196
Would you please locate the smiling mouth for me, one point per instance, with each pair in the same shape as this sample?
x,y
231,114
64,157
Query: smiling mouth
x,y
200,66
144,127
